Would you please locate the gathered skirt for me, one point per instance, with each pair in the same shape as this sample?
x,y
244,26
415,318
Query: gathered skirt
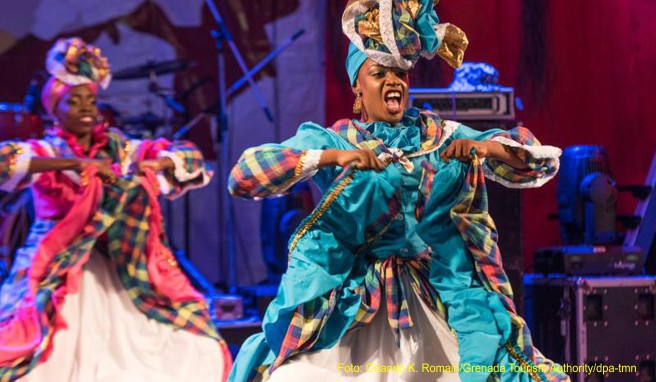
x,y
427,351
108,339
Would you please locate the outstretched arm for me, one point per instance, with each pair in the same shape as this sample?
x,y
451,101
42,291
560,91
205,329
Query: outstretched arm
x,y
179,165
19,160
514,158
462,149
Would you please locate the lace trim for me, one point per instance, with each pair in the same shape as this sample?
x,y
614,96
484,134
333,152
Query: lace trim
x,y
387,33
535,183
181,174
386,30
310,164
538,152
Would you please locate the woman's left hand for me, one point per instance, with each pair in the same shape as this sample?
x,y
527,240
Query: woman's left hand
x,y
155,165
464,149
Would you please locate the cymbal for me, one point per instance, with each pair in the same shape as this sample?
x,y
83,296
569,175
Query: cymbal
x,y
154,68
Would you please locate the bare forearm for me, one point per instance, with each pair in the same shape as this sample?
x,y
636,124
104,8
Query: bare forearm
x,y
505,154
42,164
328,158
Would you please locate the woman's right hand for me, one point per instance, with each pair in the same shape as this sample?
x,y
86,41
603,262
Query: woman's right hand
x,y
105,171
361,159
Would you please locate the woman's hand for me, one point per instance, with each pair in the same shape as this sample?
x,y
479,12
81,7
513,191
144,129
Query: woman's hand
x,y
463,149
360,159
156,165
104,166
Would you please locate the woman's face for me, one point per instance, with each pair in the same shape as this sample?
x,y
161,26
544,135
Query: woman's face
x,y
77,111
384,92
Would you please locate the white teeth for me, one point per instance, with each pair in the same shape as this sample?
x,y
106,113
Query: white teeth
x,y
393,95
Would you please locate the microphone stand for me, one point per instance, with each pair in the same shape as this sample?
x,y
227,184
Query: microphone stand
x,y
221,36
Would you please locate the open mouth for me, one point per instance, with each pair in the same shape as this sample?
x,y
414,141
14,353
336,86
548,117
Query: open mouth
x,y
87,119
393,101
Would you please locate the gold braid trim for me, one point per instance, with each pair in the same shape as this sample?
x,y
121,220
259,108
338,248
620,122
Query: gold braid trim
x,y
297,172
318,213
526,366
299,166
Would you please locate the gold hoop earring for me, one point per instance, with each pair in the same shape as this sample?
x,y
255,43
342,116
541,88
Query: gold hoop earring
x,y
357,105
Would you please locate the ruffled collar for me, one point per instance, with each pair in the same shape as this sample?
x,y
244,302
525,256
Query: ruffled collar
x,y
410,135
98,140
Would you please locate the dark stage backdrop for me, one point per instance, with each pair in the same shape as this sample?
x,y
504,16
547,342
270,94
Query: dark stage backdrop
x,y
584,69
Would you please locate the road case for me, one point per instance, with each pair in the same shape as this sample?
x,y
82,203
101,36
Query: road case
x,y
607,323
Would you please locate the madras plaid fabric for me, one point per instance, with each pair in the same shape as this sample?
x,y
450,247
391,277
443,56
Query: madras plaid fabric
x,y
127,246
123,216
407,40
428,122
537,167
366,25
479,232
385,275
189,155
425,186
119,148
406,35
45,317
305,327
264,171
477,229
431,126
48,287
8,153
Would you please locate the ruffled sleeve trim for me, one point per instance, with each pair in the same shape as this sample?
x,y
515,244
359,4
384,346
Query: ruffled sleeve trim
x,y
19,164
191,180
539,152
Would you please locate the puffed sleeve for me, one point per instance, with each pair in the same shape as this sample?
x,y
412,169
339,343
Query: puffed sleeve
x,y
272,169
14,164
542,161
189,172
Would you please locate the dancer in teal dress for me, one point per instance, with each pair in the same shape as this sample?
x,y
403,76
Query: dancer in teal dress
x,y
396,275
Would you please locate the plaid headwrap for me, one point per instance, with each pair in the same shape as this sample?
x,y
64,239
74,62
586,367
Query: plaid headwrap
x,y
310,320
396,33
73,62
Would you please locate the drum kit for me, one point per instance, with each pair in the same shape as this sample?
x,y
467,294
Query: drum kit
x,y
18,121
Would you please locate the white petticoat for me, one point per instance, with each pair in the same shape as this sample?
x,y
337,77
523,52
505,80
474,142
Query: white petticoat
x,y
371,354
109,340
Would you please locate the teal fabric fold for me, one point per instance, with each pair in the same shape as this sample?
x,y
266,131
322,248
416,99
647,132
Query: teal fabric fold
x,y
330,260
354,61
